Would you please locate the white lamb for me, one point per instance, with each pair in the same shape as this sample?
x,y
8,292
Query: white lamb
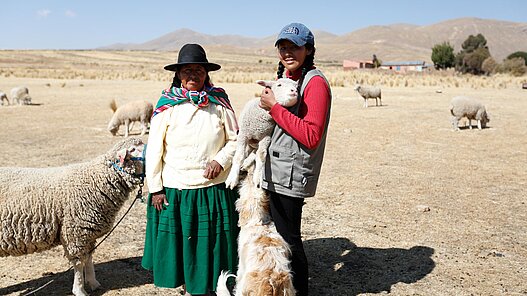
x,y
129,113
72,206
470,108
256,127
20,95
369,92
3,97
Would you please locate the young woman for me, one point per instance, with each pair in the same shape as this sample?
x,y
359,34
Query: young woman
x,y
294,158
192,223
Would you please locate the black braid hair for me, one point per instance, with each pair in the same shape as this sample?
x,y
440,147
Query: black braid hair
x,y
309,62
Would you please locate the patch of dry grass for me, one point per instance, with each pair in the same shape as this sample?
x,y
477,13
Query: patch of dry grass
x,y
148,66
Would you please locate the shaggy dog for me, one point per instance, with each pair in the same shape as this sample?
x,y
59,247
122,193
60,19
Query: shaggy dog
x,y
264,265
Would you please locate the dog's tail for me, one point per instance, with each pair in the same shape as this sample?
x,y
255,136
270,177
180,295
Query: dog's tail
x,y
221,288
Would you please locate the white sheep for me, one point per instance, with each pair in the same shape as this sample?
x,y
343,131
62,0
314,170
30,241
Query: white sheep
x,y
3,97
470,108
369,92
72,206
129,113
20,96
256,127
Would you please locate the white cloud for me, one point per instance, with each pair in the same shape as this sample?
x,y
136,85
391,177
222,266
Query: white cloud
x,y
43,12
70,13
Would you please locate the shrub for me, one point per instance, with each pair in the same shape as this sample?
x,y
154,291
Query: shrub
x,y
489,66
514,66
443,55
519,54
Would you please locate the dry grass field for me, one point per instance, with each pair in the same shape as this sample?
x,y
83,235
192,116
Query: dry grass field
x,y
405,206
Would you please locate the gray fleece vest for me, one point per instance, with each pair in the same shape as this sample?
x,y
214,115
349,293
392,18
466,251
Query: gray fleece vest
x,y
290,168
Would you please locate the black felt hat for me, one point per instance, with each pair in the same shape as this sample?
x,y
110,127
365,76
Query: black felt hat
x,y
192,54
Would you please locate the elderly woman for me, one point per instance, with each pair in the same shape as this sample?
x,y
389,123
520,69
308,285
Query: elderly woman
x,y
191,217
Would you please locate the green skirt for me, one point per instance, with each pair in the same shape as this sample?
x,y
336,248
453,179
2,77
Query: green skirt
x,y
192,239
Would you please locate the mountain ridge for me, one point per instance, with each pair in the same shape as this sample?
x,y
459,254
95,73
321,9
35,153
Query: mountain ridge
x,y
395,42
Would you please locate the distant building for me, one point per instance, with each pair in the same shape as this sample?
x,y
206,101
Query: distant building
x,y
405,66
354,64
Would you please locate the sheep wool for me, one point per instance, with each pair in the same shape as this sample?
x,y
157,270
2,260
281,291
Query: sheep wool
x,y
20,95
129,113
470,108
256,126
369,92
72,206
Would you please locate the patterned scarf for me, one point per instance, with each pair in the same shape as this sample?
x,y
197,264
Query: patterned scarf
x,y
175,96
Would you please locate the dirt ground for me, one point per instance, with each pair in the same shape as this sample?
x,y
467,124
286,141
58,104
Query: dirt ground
x,y
405,205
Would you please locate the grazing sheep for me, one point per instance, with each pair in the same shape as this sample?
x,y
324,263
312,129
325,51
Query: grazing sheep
x,y
470,108
370,92
72,206
20,96
3,97
256,127
129,113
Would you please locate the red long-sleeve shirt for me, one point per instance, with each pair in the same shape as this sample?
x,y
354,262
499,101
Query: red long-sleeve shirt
x,y
308,127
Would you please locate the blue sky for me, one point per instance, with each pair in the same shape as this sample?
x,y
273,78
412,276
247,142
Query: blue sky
x,y
76,24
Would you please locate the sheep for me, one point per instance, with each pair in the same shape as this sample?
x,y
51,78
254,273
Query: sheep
x,y
371,92
3,97
20,95
72,206
470,108
129,113
256,127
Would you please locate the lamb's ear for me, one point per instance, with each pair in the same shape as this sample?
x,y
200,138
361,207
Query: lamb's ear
x,y
265,83
122,155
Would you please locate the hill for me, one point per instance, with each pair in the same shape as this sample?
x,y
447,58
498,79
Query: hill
x,y
390,43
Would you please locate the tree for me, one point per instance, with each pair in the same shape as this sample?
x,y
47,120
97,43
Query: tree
x,y
473,61
514,66
443,56
376,62
474,42
474,52
489,66
518,54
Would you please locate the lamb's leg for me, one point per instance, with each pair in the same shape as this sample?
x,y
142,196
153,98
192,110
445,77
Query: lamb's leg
x,y
365,105
242,149
78,278
90,274
469,123
479,124
380,100
249,161
376,102
261,153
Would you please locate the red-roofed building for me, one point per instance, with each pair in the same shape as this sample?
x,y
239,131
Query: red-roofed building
x,y
354,64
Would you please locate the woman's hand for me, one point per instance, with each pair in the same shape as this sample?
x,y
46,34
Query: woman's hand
x,y
267,99
159,199
212,170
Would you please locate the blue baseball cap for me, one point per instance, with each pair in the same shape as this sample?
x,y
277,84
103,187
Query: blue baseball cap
x,y
296,33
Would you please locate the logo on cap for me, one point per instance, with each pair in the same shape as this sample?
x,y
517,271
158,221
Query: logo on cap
x,y
292,30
